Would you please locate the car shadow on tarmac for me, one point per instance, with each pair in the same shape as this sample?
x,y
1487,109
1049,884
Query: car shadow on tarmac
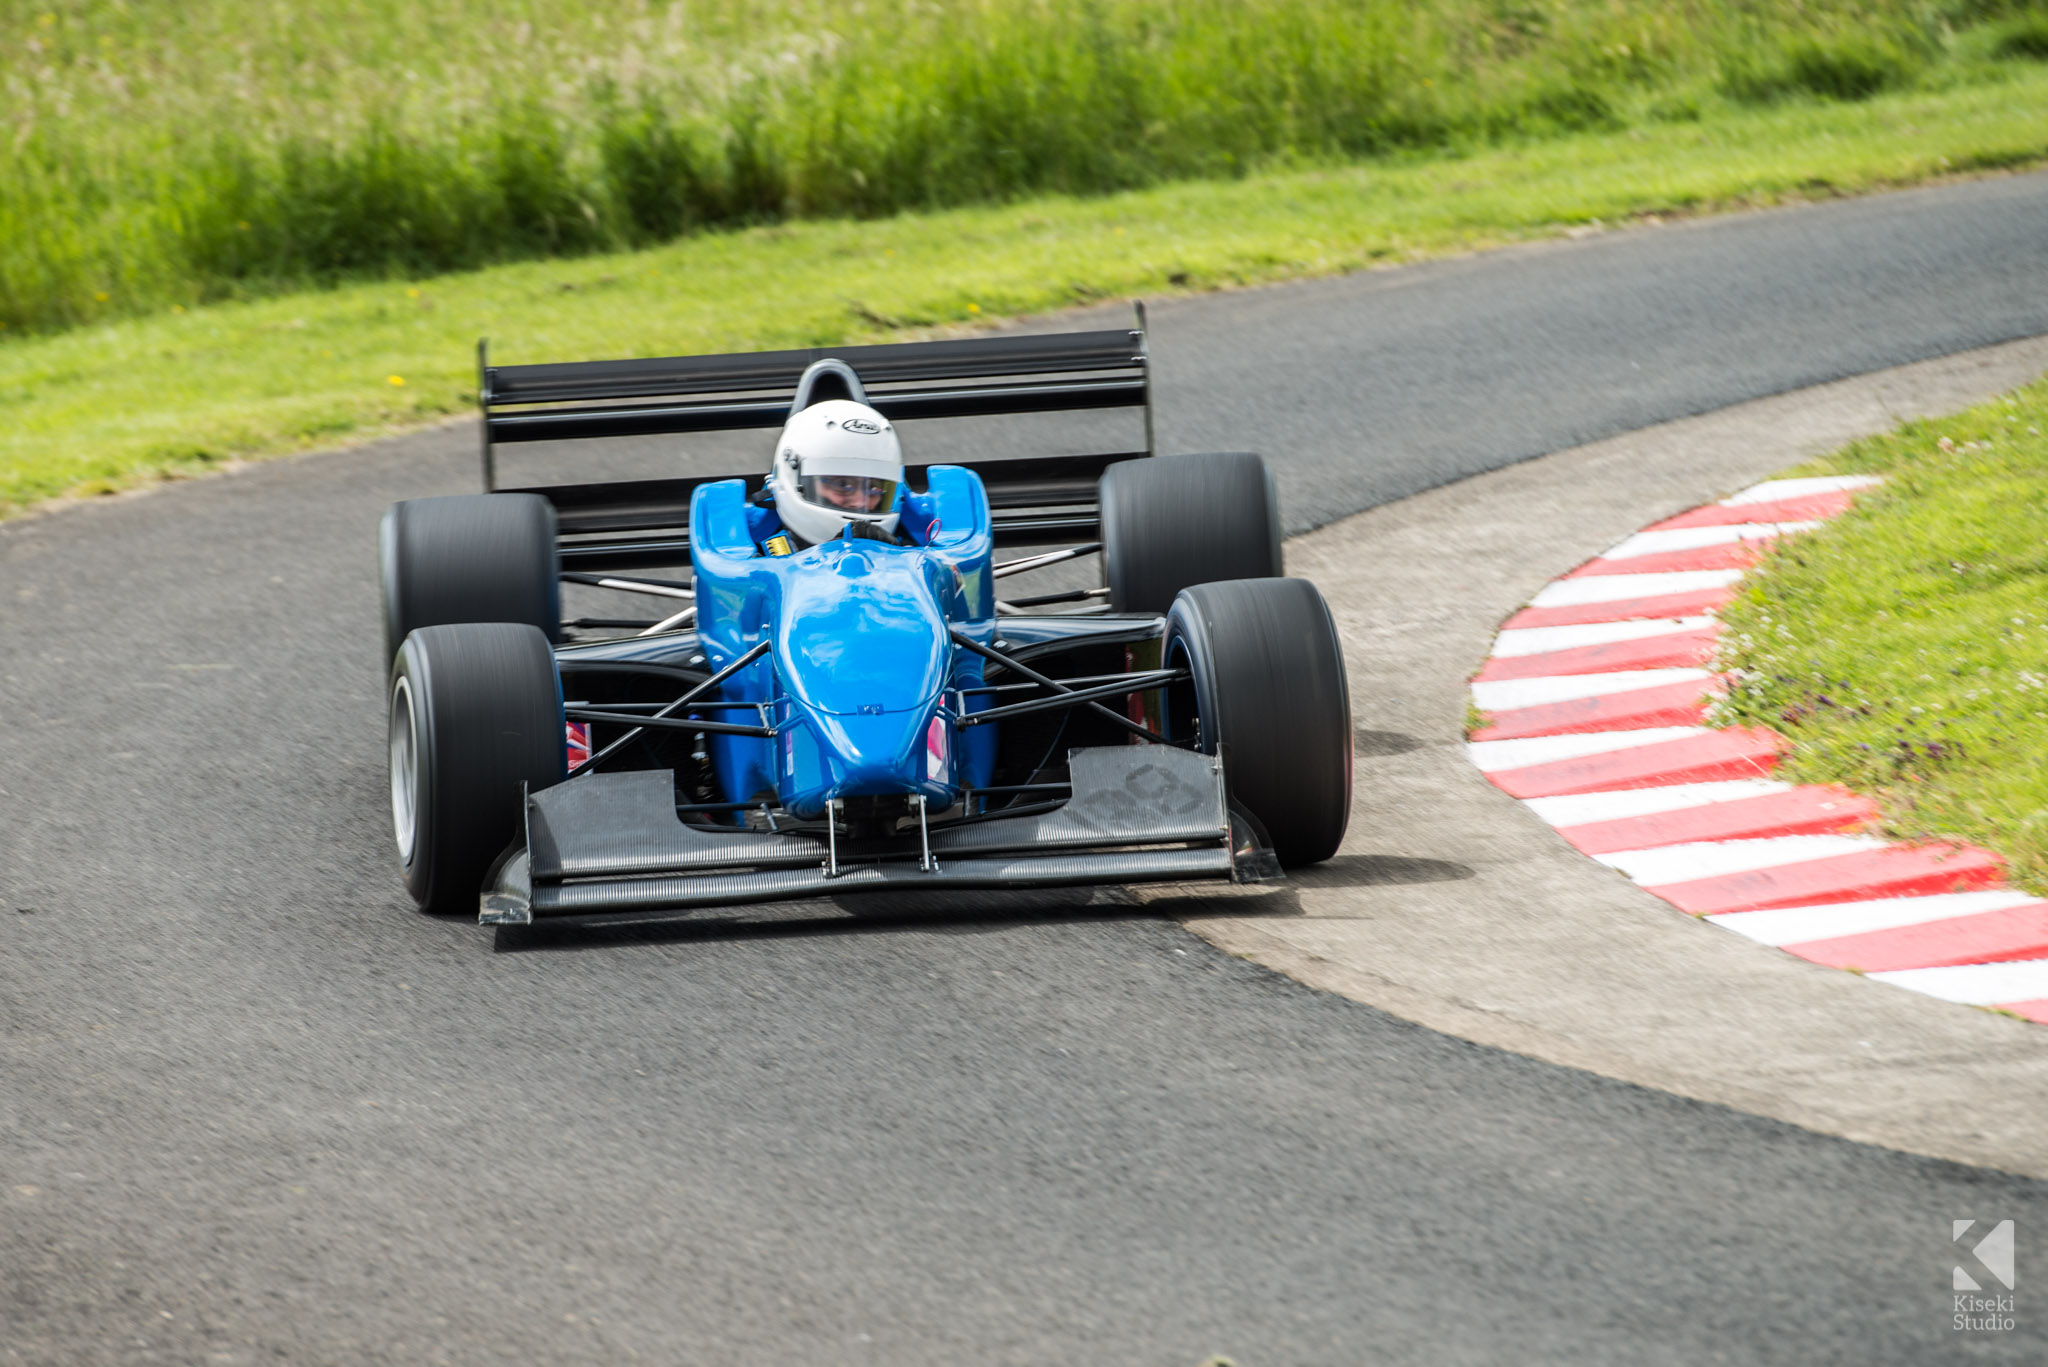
x,y
1380,870
1370,744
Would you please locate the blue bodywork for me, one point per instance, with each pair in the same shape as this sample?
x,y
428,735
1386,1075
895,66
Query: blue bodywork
x,y
861,680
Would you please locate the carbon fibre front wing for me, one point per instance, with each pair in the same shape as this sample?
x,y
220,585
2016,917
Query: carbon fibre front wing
x,y
606,844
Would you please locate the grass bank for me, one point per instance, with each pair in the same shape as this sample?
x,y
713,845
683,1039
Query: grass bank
x,y
1904,647
162,154
106,406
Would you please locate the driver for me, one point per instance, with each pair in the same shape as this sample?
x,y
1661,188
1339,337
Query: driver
x,y
837,463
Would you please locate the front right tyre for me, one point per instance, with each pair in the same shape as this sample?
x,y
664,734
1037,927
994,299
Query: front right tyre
x,y
1267,691
475,722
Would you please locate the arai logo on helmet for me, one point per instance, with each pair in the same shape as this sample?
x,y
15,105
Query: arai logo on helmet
x,y
863,426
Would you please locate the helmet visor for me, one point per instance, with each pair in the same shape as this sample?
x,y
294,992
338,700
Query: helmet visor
x,y
849,493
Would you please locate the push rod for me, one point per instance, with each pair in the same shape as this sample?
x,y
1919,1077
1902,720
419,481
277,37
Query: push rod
x,y
661,723
683,618
997,657
665,588
640,723
644,668
1032,562
644,709
1132,683
1079,680
1041,599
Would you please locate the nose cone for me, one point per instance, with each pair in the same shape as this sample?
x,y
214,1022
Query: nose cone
x,y
864,653
827,756
876,755
866,637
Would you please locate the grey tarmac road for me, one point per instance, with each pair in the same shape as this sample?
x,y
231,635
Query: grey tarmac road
x,y
254,1108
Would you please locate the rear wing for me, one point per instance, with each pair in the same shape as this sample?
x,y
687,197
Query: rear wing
x,y
625,524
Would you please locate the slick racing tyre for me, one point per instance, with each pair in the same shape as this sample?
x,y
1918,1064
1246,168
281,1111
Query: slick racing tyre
x,y
476,712
1172,521
1267,691
469,558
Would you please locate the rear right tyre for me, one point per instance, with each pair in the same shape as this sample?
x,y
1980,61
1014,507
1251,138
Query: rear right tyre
x,y
1172,521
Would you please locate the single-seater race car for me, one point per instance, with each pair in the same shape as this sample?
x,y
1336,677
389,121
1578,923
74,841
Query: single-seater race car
x,y
865,713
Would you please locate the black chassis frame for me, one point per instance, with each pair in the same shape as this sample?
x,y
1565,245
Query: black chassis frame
x,y
1088,790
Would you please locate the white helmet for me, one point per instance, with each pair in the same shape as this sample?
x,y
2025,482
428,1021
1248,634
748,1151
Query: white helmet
x,y
836,462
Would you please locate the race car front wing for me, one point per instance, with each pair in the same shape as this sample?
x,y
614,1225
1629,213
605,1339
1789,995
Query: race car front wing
x,y
611,843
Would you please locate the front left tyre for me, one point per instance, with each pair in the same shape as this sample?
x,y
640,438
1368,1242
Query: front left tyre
x,y
475,722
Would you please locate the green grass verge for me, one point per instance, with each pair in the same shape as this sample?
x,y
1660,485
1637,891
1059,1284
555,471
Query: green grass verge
x,y
104,407
1904,647
184,153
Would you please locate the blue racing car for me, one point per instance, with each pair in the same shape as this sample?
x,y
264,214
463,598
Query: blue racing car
x,y
838,698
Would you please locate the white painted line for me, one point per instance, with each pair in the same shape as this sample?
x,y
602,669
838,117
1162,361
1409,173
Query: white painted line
x,y
1612,588
1976,984
1695,538
1772,490
1494,755
1581,809
1539,640
1713,858
1797,925
1504,695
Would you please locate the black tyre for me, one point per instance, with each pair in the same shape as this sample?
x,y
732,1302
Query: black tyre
x,y
476,711
1169,522
1268,691
469,558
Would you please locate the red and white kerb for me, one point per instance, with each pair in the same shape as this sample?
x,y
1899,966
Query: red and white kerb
x,y
1595,699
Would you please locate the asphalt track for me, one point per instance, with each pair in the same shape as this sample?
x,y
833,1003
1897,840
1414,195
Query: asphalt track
x,y
252,1107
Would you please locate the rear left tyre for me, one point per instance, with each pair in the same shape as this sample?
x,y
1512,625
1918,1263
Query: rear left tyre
x,y
469,558
475,721
1267,691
